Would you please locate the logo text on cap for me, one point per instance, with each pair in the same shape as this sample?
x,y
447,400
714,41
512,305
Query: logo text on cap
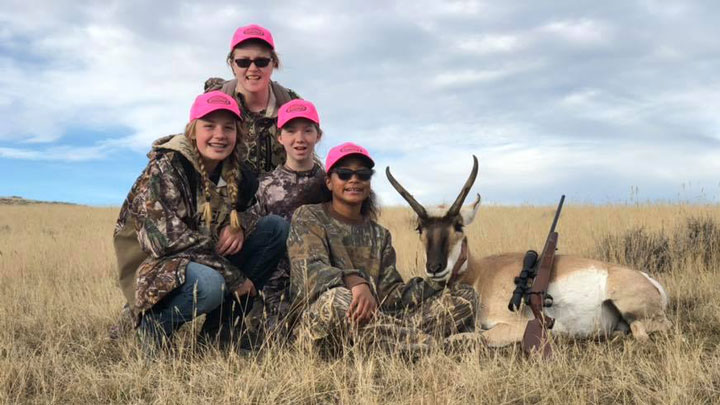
x,y
218,100
296,108
350,149
254,31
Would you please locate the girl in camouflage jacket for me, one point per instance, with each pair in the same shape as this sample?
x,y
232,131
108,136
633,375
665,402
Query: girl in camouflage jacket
x,y
183,213
252,59
344,283
298,181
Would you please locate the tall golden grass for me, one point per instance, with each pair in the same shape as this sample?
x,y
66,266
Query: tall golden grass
x,y
58,298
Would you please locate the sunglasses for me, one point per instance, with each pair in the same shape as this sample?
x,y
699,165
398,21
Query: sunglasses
x,y
363,174
259,62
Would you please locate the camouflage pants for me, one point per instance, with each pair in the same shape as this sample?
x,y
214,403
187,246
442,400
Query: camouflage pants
x,y
324,325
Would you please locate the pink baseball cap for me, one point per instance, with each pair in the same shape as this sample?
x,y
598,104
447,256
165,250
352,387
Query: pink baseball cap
x,y
297,108
343,150
212,101
249,32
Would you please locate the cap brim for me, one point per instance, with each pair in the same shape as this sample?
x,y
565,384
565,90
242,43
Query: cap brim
x,y
282,124
251,38
234,113
368,160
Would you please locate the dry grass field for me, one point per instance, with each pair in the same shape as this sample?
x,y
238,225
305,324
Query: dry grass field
x,y
58,298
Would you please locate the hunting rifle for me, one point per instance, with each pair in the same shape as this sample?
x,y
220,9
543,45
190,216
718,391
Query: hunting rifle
x,y
536,337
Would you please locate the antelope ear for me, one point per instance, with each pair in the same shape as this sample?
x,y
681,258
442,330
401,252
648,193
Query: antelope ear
x,y
468,213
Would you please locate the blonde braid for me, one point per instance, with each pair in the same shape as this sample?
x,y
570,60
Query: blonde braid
x,y
206,184
233,181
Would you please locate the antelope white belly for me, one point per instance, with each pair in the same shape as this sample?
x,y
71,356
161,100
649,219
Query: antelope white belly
x,y
577,304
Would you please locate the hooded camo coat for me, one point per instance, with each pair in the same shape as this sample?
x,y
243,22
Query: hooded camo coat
x,y
162,206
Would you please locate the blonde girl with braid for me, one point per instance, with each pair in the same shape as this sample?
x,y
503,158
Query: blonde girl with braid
x,y
185,243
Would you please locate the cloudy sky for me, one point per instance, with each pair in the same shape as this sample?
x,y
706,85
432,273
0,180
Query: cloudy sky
x,y
610,101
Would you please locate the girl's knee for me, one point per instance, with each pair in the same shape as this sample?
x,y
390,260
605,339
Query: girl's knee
x,y
276,225
208,287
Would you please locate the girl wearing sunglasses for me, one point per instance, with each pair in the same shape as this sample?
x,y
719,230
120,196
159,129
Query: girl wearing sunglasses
x,y
252,59
344,283
180,239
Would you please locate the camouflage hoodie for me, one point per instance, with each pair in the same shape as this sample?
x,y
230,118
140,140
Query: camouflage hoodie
x,y
162,209
281,192
263,152
326,252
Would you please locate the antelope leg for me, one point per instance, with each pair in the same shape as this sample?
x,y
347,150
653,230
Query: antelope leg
x,y
638,331
504,334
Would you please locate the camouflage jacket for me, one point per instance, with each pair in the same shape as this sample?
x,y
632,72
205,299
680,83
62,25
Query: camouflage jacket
x,y
162,206
324,251
283,190
263,151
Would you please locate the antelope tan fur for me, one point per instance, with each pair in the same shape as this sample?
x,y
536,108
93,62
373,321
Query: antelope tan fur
x,y
590,297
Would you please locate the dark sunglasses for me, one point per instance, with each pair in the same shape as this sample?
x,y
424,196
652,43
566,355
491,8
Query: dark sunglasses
x,y
363,174
259,62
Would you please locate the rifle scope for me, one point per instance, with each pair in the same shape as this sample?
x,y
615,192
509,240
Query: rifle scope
x,y
521,282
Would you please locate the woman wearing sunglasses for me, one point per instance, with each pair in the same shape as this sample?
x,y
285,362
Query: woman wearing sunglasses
x,y
252,59
344,283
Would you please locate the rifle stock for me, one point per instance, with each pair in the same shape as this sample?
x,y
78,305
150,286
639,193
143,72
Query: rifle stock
x,y
535,338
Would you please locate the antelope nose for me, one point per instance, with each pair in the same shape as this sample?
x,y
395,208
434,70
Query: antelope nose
x,y
433,268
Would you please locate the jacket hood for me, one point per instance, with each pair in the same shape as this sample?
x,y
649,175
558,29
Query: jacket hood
x,y
181,144
177,143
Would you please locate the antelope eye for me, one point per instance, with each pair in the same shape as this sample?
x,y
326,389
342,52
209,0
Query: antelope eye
x,y
458,227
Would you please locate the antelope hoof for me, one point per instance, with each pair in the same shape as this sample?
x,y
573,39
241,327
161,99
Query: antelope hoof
x,y
638,331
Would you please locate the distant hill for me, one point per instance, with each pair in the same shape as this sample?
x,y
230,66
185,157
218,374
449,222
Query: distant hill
x,y
15,200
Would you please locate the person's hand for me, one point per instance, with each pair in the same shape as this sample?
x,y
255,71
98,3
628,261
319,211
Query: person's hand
x,y
247,287
363,305
229,242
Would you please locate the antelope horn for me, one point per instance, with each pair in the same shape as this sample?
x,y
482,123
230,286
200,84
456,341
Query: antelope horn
x,y
419,209
455,208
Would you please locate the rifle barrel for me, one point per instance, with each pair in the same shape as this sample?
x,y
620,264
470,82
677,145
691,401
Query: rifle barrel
x,y
557,214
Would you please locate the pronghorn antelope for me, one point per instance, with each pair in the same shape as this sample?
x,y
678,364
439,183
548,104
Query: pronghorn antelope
x,y
590,297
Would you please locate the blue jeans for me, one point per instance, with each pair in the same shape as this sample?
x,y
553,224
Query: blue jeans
x,y
204,290
258,258
262,249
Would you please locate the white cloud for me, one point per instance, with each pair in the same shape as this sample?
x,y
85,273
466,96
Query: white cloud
x,y
102,74
433,9
451,79
62,153
491,43
580,98
671,9
597,105
544,95
583,31
460,7
467,77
